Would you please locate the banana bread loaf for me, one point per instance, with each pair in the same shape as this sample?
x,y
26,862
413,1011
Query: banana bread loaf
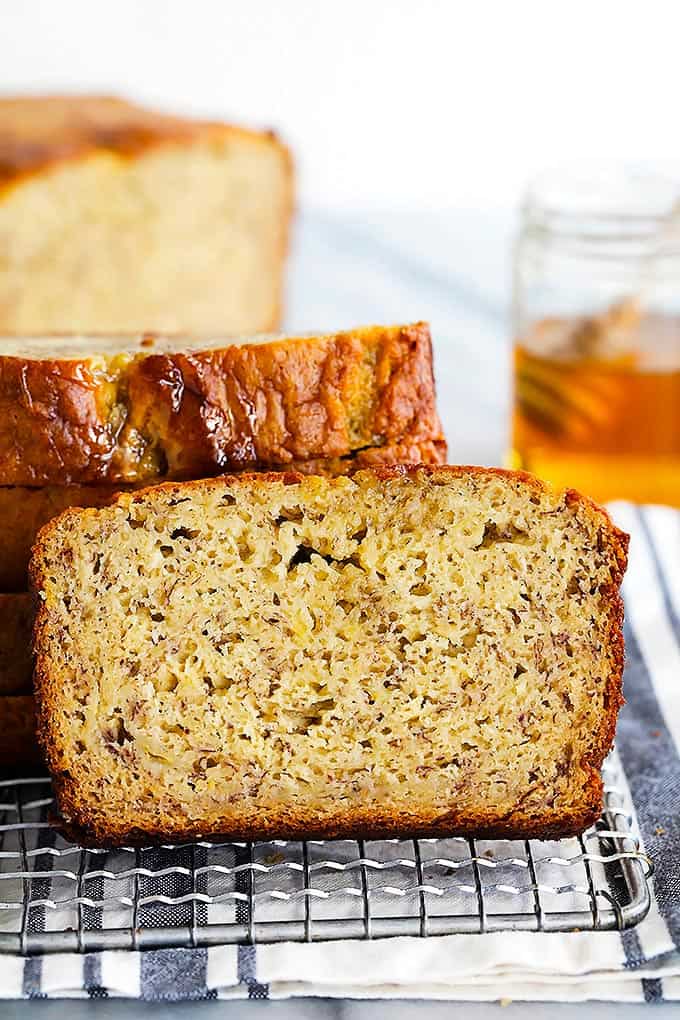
x,y
127,410
406,651
16,622
115,218
23,511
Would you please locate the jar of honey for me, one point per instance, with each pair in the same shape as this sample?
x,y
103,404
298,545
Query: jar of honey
x,y
597,334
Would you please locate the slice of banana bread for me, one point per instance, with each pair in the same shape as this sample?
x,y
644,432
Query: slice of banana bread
x,y
117,218
16,622
129,410
409,650
24,510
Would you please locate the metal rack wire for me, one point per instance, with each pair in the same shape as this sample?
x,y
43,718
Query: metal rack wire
x,y
58,897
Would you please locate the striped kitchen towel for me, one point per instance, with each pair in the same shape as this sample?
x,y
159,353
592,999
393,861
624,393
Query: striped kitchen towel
x,y
642,964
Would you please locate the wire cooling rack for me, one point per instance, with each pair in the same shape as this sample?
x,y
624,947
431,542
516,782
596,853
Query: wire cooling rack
x,y
58,897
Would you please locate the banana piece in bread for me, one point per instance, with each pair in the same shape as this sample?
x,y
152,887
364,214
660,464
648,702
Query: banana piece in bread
x,y
408,651
126,410
115,218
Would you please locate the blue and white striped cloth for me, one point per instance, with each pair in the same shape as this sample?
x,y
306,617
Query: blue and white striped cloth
x,y
639,965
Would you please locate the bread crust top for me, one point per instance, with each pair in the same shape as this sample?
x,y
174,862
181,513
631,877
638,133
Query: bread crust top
x,y
150,414
38,132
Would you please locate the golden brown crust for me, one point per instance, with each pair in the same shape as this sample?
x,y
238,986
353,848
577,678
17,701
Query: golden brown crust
x,y
24,510
616,542
369,824
19,748
16,665
550,822
205,412
409,450
37,132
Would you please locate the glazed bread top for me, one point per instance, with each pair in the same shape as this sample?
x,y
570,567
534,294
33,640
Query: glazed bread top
x,y
92,410
39,131
408,650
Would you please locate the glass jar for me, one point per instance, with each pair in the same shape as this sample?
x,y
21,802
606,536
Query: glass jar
x,y
596,321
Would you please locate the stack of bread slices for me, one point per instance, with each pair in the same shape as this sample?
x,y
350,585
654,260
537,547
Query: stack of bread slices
x,y
85,418
263,646
116,219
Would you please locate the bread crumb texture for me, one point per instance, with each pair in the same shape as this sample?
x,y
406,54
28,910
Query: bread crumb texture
x,y
24,510
404,651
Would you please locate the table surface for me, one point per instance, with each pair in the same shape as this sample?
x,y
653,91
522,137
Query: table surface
x,y
328,1009
453,270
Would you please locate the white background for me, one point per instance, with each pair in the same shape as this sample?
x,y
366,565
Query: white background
x,y
392,103
415,125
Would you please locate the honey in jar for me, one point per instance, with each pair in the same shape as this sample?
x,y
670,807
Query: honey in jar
x,y
597,392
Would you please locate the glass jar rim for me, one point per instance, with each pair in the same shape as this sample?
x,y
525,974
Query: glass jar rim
x,y
589,201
